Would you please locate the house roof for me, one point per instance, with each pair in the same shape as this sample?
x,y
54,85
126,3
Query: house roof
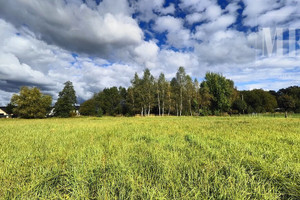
x,y
3,110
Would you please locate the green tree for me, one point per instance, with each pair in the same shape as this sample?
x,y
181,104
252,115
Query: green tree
x,y
190,93
197,97
66,101
175,96
294,92
10,107
240,105
125,109
287,103
110,101
136,96
205,99
168,97
88,108
162,89
259,101
148,89
181,81
31,103
221,90
130,101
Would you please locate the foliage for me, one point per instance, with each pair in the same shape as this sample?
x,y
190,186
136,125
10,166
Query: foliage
x,y
182,96
293,92
181,82
240,105
100,112
66,101
259,101
286,102
150,158
88,108
221,90
9,108
30,103
110,101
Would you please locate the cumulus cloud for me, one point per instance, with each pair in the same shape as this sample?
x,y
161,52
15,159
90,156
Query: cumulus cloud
x,y
150,10
75,26
177,35
209,29
194,17
26,60
102,44
146,53
270,13
226,47
195,5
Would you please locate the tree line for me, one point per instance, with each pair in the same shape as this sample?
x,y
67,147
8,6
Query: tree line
x,y
148,95
182,95
31,103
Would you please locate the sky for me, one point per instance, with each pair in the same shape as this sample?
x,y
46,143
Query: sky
x,y
102,43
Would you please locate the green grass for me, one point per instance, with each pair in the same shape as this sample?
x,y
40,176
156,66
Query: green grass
x,y
150,158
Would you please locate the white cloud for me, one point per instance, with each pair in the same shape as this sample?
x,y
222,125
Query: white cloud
x,y
276,17
213,12
168,10
150,10
270,13
147,52
196,5
38,40
13,70
168,23
226,47
177,35
206,31
193,18
75,26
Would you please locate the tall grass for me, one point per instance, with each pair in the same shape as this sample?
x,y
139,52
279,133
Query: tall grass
x,y
150,158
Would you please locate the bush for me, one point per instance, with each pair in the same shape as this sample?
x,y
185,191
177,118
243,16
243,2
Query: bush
x,y
100,112
204,112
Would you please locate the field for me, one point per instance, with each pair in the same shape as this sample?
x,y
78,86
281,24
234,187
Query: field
x,y
150,158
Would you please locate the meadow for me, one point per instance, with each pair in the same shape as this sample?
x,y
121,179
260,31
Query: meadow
x,y
150,158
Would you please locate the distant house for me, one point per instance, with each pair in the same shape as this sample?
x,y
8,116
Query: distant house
x,y
52,111
3,112
77,107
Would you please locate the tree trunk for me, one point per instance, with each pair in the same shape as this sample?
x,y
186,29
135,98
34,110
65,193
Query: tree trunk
x,y
285,115
180,112
163,108
190,104
158,103
149,110
142,111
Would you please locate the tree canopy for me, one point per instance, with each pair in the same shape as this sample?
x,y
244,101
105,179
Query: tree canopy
x,y
184,96
30,103
66,101
220,90
156,95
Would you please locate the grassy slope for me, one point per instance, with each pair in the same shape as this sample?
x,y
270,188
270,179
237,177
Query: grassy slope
x,y
144,158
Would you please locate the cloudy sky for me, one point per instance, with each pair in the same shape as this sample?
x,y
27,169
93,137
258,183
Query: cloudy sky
x,y
102,43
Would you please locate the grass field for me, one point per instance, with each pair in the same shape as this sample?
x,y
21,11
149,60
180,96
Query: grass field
x,y
150,158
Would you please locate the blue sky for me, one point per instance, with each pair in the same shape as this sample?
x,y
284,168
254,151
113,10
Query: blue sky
x,y
98,44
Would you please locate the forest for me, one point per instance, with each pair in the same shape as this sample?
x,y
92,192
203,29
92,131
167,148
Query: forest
x,y
148,95
215,95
